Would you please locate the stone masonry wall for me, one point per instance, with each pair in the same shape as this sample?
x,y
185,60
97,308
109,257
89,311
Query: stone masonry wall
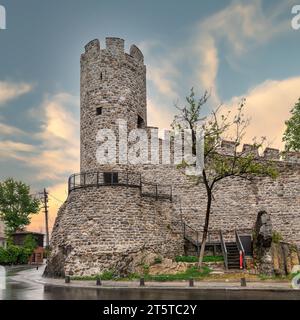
x,y
110,228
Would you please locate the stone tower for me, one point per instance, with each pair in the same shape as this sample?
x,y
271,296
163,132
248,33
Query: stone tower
x,y
112,218
113,86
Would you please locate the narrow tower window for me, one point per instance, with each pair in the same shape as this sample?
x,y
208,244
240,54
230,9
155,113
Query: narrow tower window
x,y
98,111
101,76
140,122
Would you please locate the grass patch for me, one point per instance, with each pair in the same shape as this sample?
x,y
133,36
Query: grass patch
x,y
192,272
277,277
195,259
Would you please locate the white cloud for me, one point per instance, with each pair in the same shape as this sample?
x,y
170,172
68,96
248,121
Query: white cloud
x,y
59,136
268,105
158,115
241,27
7,146
10,130
10,91
55,153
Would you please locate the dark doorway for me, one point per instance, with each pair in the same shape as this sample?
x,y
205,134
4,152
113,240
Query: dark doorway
x,y
247,244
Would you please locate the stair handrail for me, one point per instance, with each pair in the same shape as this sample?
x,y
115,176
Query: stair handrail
x,y
185,227
224,250
240,247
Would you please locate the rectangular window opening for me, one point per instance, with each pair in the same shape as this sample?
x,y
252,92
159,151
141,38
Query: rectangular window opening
x,y
110,178
98,111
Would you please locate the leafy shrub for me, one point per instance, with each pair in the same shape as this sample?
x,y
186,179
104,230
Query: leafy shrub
x,y
276,237
30,242
195,259
15,255
157,260
186,259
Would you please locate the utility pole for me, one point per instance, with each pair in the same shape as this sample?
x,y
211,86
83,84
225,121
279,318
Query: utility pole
x,y
45,193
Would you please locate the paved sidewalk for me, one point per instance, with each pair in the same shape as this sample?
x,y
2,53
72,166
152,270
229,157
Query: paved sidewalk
x,y
262,285
31,275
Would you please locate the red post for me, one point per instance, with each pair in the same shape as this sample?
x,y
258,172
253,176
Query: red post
x,y
241,259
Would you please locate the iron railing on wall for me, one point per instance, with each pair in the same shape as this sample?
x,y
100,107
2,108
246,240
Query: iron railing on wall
x,y
195,236
119,178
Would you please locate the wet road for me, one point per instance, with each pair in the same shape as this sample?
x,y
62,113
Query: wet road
x,y
22,285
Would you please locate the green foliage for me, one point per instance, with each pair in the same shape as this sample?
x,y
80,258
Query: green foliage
x,y
195,259
30,242
276,237
108,275
192,272
16,204
182,165
146,268
186,259
158,260
18,254
14,255
291,136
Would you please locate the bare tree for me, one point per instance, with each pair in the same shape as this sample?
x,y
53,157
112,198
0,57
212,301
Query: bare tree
x,y
218,166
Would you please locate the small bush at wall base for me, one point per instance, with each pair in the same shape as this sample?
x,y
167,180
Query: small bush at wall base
x,y
195,259
157,260
276,237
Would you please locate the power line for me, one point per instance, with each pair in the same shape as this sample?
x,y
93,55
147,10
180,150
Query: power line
x,y
55,198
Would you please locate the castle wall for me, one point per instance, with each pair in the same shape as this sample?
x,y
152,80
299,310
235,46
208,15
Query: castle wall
x,y
111,228
237,201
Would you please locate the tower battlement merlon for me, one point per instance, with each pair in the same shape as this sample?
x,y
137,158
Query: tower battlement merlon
x,y
114,47
92,49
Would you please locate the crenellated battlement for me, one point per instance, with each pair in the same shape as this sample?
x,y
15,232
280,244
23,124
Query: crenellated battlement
x,y
228,148
113,47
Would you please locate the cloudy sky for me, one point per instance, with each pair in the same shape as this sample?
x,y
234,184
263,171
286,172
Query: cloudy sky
x,y
233,48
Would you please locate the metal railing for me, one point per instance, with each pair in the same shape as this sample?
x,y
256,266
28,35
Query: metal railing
x,y
224,250
155,190
195,236
240,247
119,178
